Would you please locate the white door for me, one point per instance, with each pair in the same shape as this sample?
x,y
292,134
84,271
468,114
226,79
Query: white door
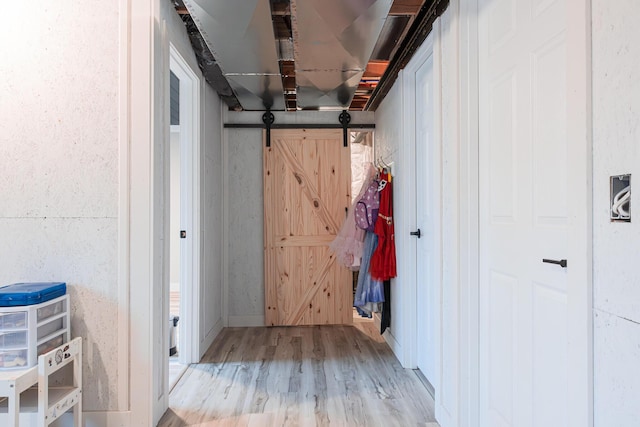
x,y
427,220
191,307
529,320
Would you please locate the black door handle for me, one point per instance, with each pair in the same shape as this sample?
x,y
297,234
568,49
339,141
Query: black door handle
x,y
416,233
562,263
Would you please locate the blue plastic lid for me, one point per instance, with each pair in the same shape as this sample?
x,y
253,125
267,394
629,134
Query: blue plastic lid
x,y
30,293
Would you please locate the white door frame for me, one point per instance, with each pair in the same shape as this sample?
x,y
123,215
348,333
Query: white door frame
x,y
580,119
467,406
143,274
141,135
190,220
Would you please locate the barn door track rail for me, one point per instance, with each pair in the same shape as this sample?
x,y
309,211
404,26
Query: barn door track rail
x,y
268,123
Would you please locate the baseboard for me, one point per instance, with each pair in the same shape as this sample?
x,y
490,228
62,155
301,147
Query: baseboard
x,y
426,383
211,335
106,419
393,343
377,320
245,321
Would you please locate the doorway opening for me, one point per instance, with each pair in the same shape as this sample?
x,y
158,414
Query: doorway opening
x,y
184,220
175,367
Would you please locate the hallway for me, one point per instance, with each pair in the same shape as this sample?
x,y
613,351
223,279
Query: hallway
x,y
300,376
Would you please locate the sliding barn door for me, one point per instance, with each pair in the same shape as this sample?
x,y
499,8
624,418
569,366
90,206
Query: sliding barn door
x,y
307,181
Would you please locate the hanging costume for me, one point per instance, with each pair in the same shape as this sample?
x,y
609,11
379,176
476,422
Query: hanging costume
x,y
385,322
348,244
383,261
369,292
370,218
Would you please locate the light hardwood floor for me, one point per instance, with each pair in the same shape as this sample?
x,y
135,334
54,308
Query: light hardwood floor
x,y
299,376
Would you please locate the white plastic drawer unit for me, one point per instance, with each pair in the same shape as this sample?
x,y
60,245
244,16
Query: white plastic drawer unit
x,y
30,330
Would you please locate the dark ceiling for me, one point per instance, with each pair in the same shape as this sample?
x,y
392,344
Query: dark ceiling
x,y
329,54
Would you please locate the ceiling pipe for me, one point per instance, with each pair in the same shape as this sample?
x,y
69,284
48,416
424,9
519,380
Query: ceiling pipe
x,y
417,34
208,65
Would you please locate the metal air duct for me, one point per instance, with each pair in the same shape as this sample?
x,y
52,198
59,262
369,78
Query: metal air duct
x,y
333,41
240,37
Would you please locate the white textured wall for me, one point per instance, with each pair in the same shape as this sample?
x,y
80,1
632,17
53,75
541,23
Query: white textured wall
x,y
388,138
59,163
244,226
244,210
59,160
212,220
616,271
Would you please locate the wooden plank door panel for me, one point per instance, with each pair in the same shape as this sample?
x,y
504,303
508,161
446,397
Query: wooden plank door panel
x,y
307,179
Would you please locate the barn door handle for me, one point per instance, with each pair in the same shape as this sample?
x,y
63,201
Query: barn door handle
x,y
416,233
562,263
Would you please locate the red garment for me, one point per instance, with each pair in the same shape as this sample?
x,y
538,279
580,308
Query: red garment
x,y
383,261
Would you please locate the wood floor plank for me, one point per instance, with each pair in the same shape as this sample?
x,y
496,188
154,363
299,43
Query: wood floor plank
x,y
299,376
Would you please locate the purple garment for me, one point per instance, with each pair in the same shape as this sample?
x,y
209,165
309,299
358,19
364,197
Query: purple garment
x,y
366,211
349,242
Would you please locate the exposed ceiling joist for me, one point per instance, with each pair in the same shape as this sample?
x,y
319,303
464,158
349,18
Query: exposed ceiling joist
x,y
406,7
356,71
419,31
333,41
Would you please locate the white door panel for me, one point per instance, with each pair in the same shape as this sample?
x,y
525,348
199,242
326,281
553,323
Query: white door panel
x,y
523,213
501,342
427,221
